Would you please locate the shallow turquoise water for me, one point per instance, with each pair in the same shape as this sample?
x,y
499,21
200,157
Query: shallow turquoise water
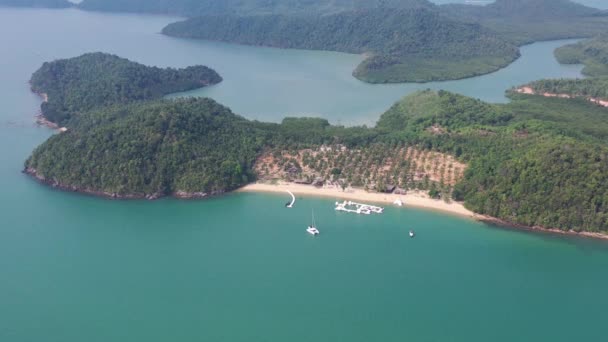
x,y
241,267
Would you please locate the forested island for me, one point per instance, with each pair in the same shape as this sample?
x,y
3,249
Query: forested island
x,y
75,85
527,21
414,45
402,40
593,53
528,162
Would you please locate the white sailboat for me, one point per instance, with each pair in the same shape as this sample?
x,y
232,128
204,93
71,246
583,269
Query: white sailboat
x,y
312,229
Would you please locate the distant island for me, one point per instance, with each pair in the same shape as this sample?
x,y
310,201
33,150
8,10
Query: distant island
x,y
76,85
410,45
528,162
36,3
527,21
415,43
402,40
593,53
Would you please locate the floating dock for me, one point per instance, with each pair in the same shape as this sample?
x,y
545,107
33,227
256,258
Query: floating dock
x,y
358,208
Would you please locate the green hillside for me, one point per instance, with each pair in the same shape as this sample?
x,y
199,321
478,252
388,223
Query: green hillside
x,y
593,53
403,45
82,83
151,150
526,21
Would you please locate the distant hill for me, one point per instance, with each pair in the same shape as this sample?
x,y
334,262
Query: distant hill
x,y
416,45
36,3
593,53
191,8
534,9
92,80
525,21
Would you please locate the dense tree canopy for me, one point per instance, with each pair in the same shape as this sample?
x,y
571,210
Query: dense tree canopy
x,y
535,161
593,53
531,168
152,149
406,45
587,87
82,83
526,21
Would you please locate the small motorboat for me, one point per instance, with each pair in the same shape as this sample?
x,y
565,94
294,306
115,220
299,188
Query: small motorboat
x,y
412,234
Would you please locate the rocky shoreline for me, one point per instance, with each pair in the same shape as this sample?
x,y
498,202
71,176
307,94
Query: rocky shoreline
x,y
40,118
510,225
53,183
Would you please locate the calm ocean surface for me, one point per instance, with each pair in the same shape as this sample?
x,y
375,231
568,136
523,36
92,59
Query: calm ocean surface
x,y
241,267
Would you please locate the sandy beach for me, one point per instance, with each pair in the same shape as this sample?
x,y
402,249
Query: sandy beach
x,y
412,199
415,199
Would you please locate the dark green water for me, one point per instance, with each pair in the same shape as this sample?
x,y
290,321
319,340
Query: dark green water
x,y
241,267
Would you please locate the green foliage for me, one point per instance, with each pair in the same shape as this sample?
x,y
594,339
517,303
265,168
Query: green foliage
x,y
406,45
155,148
593,53
447,111
527,21
383,69
555,182
529,162
573,117
434,193
79,84
588,87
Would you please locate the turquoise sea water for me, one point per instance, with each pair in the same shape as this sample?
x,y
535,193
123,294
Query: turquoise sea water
x,y
241,267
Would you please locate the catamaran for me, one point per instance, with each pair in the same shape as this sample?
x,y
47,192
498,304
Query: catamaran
x,y
312,229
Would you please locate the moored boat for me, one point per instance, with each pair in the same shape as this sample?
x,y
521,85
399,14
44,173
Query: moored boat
x,y
312,229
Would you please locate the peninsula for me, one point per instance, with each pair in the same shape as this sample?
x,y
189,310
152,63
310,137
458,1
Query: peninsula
x,y
525,162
